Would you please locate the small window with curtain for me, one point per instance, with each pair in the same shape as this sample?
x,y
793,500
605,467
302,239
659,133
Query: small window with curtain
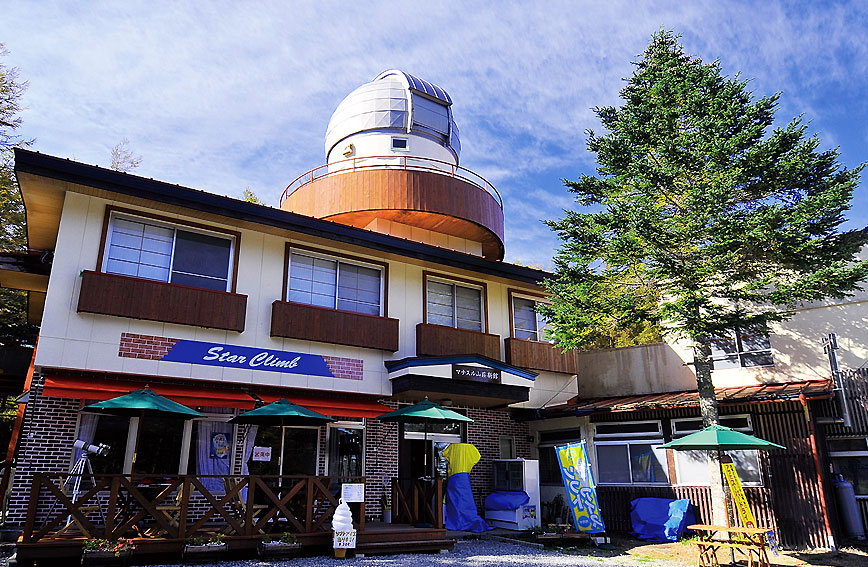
x,y
455,305
337,284
163,252
527,323
630,453
692,466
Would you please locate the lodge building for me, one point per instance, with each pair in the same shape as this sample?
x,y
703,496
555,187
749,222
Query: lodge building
x,y
378,282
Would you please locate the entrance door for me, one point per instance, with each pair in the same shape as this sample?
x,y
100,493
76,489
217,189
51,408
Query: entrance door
x,y
414,444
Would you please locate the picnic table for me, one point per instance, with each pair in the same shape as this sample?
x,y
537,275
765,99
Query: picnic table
x,y
751,542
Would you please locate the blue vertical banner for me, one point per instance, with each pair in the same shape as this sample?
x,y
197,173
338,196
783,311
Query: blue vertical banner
x,y
581,491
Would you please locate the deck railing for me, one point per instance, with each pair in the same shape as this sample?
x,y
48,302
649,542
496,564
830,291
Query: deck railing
x,y
180,506
418,501
409,163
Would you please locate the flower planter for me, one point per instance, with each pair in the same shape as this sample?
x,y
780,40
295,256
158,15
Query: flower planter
x,y
98,557
387,516
277,549
206,553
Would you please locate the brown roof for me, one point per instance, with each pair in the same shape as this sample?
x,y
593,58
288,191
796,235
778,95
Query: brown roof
x,y
739,394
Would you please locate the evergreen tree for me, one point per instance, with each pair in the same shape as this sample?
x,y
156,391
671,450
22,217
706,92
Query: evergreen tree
x,y
699,204
14,328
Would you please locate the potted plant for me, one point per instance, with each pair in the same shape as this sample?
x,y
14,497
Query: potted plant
x,y
97,551
386,506
201,549
286,545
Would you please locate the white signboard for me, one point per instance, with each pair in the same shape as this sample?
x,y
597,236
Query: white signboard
x,y
345,540
261,454
353,492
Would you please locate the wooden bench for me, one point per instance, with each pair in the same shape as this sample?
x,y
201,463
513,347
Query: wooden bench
x,y
751,542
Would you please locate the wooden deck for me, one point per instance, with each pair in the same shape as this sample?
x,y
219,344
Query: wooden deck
x,y
160,513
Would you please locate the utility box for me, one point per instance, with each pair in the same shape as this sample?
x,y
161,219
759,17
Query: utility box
x,y
515,502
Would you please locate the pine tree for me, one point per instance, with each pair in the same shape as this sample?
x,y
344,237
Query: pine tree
x,y
14,328
698,203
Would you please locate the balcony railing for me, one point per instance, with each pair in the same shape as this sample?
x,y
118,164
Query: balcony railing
x,y
537,355
308,322
409,163
136,298
438,340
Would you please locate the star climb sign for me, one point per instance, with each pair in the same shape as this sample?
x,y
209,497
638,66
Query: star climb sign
x,y
581,491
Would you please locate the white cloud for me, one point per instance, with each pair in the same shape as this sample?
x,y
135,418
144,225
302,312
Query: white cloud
x,y
220,96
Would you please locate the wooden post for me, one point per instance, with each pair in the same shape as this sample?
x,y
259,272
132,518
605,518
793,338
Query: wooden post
x,y
111,510
438,503
27,535
308,508
185,502
249,506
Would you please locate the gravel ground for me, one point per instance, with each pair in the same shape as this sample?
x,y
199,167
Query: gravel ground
x,y
472,553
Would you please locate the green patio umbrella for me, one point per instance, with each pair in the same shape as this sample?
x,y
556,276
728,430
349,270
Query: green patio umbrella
x,y
424,412
143,402
281,413
720,438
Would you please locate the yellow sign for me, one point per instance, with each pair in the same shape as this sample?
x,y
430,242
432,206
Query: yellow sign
x,y
738,497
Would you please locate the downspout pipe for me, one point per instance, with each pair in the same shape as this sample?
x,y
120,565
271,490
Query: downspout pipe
x,y
815,454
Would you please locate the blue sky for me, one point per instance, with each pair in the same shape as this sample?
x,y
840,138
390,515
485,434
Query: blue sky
x,y
224,95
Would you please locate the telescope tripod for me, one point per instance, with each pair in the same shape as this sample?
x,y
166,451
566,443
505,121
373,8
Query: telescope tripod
x,y
72,485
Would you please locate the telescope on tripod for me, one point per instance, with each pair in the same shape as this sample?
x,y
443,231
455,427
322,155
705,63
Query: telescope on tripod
x,y
72,484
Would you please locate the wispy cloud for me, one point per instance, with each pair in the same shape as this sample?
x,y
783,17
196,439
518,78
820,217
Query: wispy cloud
x,y
222,96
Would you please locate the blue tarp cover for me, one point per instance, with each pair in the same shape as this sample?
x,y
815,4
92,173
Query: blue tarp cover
x,y
461,511
660,519
506,500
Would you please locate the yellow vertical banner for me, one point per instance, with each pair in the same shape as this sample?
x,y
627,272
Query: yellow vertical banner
x,y
579,484
738,498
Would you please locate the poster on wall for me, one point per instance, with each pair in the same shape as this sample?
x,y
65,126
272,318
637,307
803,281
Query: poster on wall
x,y
579,484
219,446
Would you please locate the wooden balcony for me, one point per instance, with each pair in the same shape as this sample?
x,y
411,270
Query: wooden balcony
x,y
299,321
536,355
136,298
438,340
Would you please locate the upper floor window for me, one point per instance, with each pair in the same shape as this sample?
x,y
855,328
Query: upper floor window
x,y
329,282
454,305
741,349
400,144
527,323
163,252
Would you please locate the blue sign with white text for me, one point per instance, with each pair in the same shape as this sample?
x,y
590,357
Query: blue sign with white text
x,y
234,356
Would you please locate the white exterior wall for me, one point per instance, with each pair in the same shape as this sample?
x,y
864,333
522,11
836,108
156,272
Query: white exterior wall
x,y
380,144
796,348
84,341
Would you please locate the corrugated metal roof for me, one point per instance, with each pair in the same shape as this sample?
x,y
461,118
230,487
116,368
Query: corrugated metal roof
x,y
740,394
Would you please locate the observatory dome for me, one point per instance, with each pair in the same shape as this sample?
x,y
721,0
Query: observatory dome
x,y
395,102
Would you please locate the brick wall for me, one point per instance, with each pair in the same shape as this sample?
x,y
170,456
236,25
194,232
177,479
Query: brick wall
x,y
45,444
484,433
381,462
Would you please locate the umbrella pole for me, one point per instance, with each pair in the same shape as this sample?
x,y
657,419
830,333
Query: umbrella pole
x,y
425,426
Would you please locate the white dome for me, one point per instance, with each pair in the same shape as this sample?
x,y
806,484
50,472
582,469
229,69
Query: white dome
x,y
395,102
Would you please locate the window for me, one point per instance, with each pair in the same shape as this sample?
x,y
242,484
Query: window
x,y
346,449
162,252
549,469
850,459
211,444
507,447
630,457
741,349
455,305
692,466
159,448
400,144
328,282
527,323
